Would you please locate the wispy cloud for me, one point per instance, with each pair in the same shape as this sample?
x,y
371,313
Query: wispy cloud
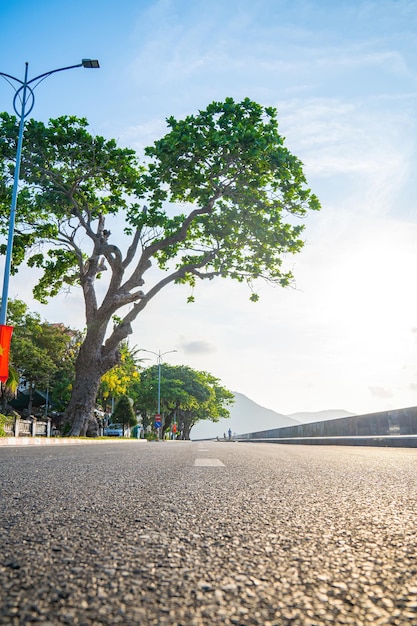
x,y
380,392
197,346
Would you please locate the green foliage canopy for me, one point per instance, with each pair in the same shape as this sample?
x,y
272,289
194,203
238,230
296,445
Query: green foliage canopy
x,y
189,395
42,354
228,165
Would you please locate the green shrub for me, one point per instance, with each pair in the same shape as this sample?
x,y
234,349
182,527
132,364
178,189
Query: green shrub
x,y
3,420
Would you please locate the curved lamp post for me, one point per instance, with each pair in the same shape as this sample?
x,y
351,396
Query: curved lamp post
x,y
23,103
159,356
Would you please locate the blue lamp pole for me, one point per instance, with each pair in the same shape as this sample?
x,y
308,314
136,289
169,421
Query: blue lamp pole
x,y
23,103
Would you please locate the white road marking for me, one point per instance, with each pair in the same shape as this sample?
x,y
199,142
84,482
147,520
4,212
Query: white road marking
x,y
208,463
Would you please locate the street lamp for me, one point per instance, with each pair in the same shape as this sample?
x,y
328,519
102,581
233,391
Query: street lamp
x,y
23,103
159,356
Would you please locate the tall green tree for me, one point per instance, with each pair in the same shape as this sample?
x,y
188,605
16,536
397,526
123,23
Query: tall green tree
x,y
42,354
187,395
220,195
61,385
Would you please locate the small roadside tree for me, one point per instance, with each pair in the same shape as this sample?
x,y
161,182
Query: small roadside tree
x,y
123,412
121,377
220,196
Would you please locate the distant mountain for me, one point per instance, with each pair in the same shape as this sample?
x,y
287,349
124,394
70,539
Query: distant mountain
x,y
320,416
246,416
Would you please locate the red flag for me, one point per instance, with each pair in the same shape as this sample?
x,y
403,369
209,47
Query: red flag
x,y
5,339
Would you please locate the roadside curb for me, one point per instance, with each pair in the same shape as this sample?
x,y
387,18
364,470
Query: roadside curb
x,y
59,441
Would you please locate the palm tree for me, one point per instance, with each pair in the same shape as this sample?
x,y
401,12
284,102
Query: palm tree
x,y
9,388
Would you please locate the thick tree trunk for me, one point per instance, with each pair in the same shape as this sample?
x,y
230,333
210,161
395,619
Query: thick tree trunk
x,y
88,373
168,422
80,409
186,431
185,424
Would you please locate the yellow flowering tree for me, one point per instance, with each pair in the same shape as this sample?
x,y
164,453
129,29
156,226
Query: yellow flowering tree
x,y
117,381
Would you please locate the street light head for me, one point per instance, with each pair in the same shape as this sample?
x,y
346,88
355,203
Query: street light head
x,y
91,63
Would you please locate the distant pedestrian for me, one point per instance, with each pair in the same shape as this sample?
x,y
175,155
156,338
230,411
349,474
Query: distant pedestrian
x,y
229,432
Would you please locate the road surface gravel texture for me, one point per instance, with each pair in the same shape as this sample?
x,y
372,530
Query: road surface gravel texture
x,y
193,533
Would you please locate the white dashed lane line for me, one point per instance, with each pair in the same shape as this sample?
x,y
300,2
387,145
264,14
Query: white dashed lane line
x,y
208,463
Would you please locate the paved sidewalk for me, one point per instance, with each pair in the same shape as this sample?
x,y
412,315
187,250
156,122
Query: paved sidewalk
x,y
55,441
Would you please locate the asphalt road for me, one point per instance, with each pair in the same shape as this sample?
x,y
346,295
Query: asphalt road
x,y
208,533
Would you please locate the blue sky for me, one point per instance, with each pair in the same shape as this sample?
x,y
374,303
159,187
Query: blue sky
x,y
343,78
